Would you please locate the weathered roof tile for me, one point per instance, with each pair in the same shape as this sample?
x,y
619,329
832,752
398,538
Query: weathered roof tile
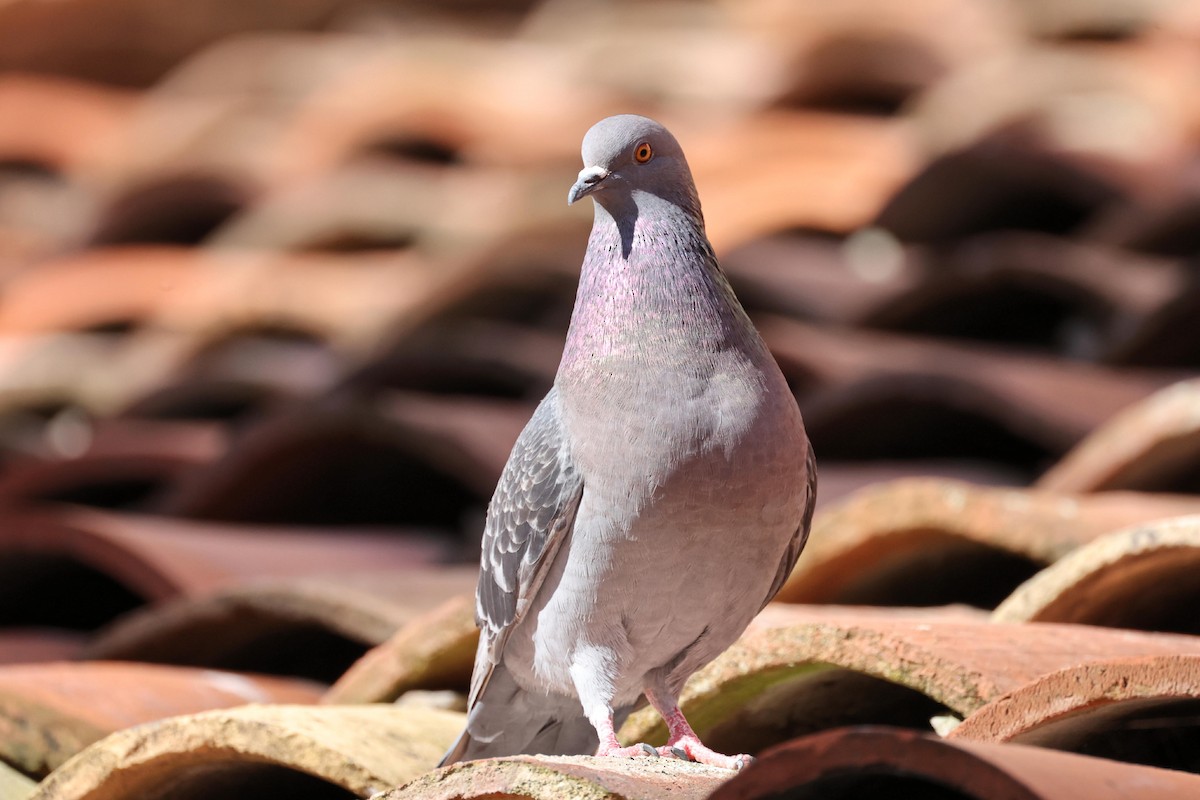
x,y
1151,445
434,650
924,540
1140,577
1128,709
51,711
565,778
798,672
888,762
312,626
252,750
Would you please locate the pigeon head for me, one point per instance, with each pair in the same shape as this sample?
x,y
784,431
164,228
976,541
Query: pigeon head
x,y
626,154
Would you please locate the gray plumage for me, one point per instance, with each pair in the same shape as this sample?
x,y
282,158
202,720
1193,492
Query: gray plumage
x,y
658,497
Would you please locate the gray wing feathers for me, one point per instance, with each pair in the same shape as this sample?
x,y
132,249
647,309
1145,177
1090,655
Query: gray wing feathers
x,y
528,519
530,513
792,554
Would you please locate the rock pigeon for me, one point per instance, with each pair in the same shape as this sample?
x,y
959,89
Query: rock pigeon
x,y
660,494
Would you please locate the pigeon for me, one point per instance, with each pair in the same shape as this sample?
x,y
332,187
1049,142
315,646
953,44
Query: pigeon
x,y
660,494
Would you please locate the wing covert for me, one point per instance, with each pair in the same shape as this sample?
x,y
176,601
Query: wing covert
x,y
529,515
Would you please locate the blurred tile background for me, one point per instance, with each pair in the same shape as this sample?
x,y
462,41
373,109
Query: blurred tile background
x,y
280,282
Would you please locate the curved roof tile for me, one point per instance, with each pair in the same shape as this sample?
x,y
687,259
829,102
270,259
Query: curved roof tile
x,y
361,750
922,540
565,778
158,557
435,650
1140,578
796,672
1127,709
82,703
1152,445
311,626
902,763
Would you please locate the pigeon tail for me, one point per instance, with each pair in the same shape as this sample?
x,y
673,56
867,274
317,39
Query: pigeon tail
x,y
507,720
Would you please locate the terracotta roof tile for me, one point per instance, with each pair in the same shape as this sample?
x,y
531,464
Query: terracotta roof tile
x,y
275,359
225,110
891,762
481,107
235,373
58,123
310,626
154,558
1084,300
350,300
180,209
1153,444
199,398
483,430
1038,102
97,40
82,703
468,356
747,199
91,373
969,31
110,463
565,778
118,287
528,276
13,784
1136,578
322,253
435,650
996,183
921,541
888,396
362,750
340,462
825,278
1059,19
612,50
34,645
857,66
840,479
795,673
1128,709
1161,223
379,206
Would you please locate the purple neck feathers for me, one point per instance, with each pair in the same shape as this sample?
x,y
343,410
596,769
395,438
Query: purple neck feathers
x,y
650,290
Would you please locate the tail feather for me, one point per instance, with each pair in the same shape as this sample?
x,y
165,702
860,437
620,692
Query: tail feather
x,y
507,720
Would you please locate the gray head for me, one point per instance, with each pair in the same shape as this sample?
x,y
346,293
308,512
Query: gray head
x,y
627,153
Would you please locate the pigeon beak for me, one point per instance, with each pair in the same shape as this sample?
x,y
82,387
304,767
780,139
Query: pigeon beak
x,y
588,182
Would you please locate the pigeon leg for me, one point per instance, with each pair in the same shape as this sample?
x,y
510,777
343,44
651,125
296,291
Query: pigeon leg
x,y
683,741
589,672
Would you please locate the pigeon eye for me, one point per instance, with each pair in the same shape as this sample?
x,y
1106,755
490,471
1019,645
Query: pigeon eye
x,y
643,153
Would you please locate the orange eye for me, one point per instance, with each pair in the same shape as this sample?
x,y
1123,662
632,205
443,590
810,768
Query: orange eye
x,y
643,153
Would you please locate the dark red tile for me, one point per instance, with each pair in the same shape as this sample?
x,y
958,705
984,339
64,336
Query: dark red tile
x,y
904,763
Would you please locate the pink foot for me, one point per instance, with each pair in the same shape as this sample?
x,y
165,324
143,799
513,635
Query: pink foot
x,y
690,748
614,750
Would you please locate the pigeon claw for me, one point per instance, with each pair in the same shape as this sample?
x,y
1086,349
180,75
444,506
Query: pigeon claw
x,y
693,749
